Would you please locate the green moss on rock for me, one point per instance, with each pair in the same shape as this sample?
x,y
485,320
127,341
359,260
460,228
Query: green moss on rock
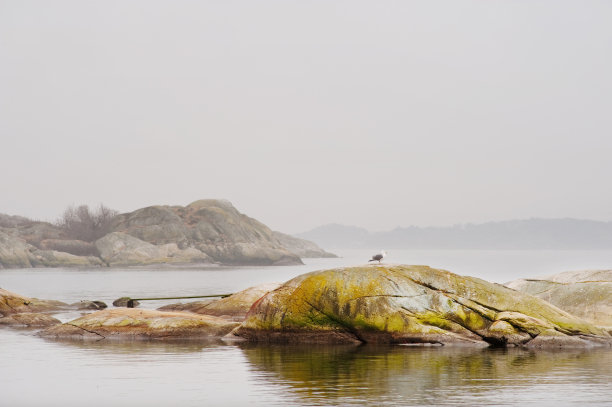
x,y
406,304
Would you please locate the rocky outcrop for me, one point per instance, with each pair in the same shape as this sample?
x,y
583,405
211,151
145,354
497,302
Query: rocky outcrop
x,y
120,249
131,323
300,247
8,221
11,303
76,247
410,304
213,227
53,258
586,294
35,232
15,252
234,307
205,231
29,320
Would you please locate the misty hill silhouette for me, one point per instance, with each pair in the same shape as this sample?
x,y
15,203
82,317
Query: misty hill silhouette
x,y
534,233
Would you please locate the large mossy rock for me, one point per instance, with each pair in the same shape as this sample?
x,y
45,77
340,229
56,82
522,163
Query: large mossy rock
x,y
234,307
586,294
11,303
410,304
213,227
131,323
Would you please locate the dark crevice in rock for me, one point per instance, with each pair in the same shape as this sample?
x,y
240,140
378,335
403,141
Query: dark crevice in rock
x,y
566,331
584,282
533,336
407,311
421,321
391,281
386,295
488,306
86,330
351,330
542,292
457,300
14,310
535,280
431,287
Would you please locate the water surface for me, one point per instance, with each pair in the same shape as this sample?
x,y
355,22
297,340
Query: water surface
x,y
36,371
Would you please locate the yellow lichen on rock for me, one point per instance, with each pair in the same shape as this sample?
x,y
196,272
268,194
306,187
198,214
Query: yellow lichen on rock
x,y
401,304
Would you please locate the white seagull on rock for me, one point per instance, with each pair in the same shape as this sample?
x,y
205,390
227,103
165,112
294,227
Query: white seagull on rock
x,y
378,257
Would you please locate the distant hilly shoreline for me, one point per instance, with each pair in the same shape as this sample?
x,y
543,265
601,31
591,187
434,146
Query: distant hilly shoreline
x,y
526,234
205,232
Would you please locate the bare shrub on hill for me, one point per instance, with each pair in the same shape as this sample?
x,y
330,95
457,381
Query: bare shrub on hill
x,y
83,223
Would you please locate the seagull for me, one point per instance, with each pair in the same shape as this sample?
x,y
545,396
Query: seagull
x,y
378,256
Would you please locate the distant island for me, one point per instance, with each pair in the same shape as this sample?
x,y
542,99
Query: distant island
x,y
204,232
528,234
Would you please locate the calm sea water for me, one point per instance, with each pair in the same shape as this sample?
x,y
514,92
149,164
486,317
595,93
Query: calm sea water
x,y
39,372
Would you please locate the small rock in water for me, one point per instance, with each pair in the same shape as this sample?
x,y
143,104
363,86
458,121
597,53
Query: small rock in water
x,y
89,305
122,302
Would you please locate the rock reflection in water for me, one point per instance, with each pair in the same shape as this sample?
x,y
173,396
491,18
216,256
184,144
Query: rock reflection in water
x,y
434,376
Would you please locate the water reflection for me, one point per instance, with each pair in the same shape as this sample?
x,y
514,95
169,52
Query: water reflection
x,y
425,376
141,347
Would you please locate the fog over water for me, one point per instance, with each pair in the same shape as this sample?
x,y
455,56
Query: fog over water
x,y
373,114
195,373
378,115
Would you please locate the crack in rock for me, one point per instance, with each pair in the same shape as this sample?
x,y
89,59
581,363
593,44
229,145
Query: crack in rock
x,y
86,330
349,328
386,295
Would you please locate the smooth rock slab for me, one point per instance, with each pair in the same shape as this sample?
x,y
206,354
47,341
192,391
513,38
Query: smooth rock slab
x,y
234,307
30,320
411,304
131,323
11,303
586,294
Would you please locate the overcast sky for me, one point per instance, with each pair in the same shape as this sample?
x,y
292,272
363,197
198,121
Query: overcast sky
x,y
375,114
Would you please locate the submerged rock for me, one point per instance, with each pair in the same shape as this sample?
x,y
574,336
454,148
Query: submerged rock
x,y
234,307
11,303
30,320
131,323
586,294
83,305
410,304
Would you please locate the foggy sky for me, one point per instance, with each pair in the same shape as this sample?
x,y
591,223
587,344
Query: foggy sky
x,y
376,114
